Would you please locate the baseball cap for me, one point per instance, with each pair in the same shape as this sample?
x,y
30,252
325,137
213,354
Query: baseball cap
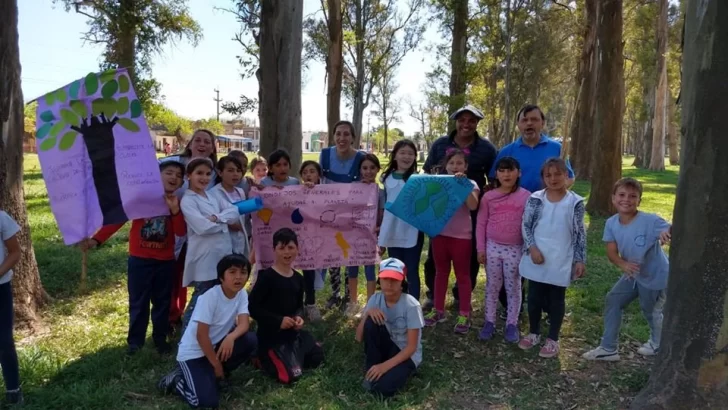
x,y
468,108
392,268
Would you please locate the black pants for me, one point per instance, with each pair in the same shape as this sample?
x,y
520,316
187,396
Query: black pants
x,y
309,278
474,265
543,297
378,348
150,280
286,361
503,298
8,354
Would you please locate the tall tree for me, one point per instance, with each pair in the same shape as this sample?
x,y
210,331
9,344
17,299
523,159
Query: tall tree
x,y
28,293
386,102
247,14
661,119
334,66
690,371
281,42
133,31
607,154
458,56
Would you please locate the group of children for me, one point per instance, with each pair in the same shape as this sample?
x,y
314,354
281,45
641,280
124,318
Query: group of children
x,y
204,242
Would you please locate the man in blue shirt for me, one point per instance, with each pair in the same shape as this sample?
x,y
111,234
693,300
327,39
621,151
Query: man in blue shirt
x,y
481,154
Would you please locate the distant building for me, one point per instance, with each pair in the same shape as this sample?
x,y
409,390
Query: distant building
x,y
313,141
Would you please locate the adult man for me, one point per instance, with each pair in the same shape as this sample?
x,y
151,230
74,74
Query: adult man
x,y
531,149
481,155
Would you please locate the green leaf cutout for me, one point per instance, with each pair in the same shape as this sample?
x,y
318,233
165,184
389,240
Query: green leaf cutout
x,y
439,206
109,89
43,131
79,108
50,98
91,82
73,89
107,106
69,116
97,106
47,116
136,109
48,144
108,75
122,105
56,128
67,140
61,95
123,83
128,124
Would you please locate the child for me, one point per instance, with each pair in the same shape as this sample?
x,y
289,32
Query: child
x,y
402,240
217,341
391,329
280,167
370,167
554,252
453,247
310,173
226,192
9,257
632,239
500,245
208,234
151,264
259,169
276,303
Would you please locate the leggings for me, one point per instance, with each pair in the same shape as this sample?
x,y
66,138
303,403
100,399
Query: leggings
x,y
8,355
309,278
455,251
544,297
335,278
502,266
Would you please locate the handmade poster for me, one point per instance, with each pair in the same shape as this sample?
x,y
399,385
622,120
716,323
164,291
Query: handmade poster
x,y
335,224
97,156
427,202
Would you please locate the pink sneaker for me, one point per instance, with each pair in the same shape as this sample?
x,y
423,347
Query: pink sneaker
x,y
550,349
528,342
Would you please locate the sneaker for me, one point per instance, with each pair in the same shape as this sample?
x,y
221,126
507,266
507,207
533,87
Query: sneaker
x,y
528,342
333,302
550,349
312,313
487,332
601,353
648,349
352,309
14,398
167,384
132,350
512,334
462,325
434,317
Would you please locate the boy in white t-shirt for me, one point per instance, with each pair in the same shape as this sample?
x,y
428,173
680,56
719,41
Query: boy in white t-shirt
x,y
217,340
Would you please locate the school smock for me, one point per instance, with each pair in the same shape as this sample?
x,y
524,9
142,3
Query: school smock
x,y
8,229
224,198
550,226
394,232
207,241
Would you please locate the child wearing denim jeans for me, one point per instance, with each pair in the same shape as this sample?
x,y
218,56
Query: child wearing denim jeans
x,y
633,245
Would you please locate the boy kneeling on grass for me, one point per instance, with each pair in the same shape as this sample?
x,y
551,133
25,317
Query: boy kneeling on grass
x,y
633,244
276,304
209,349
391,329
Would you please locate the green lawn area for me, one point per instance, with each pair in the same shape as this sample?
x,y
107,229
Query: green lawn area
x,y
80,362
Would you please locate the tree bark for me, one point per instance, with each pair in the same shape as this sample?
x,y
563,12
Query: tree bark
x,y
360,100
281,41
28,293
582,129
660,121
644,141
691,370
458,57
673,140
334,68
508,132
607,156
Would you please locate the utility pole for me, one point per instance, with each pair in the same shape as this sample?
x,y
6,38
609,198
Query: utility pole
x,y
217,100
369,131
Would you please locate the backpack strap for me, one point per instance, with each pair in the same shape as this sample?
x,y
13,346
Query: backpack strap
x,y
326,160
356,166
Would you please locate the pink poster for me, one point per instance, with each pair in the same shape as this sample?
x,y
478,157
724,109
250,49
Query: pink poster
x,y
334,223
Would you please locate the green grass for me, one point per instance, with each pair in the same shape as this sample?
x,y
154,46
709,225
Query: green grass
x,y
79,363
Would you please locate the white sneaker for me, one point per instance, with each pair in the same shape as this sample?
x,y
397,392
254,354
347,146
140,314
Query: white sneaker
x,y
601,353
648,349
352,309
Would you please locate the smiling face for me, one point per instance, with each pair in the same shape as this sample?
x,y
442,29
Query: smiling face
x,y
456,164
343,138
554,178
286,253
231,175
172,178
368,171
234,279
626,200
310,174
260,171
405,157
530,125
200,178
466,124
201,145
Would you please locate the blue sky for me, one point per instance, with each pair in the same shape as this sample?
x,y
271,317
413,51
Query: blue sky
x,y
52,54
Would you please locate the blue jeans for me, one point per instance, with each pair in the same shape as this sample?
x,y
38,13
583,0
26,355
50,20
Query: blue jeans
x,y
621,295
411,259
150,280
353,272
8,355
200,289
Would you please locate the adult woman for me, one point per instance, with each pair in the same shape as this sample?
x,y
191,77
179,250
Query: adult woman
x,y
340,165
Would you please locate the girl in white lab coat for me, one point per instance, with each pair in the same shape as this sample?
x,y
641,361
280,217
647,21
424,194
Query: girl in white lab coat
x,y
227,192
207,232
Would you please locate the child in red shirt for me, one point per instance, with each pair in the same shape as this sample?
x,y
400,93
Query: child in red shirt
x,y
151,264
